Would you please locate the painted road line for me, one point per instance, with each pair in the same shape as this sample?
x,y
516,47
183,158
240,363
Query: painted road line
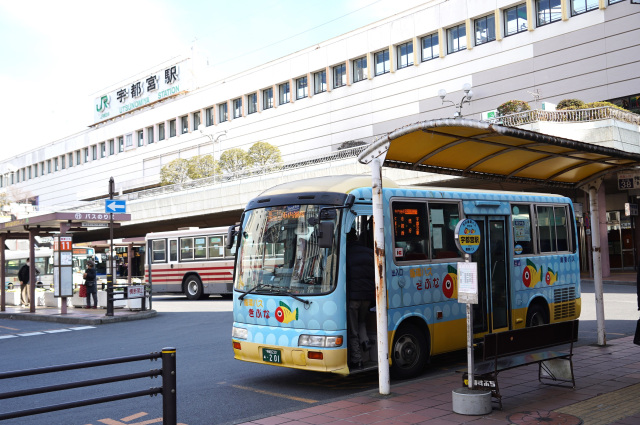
x,y
8,336
31,334
290,397
81,328
55,331
11,329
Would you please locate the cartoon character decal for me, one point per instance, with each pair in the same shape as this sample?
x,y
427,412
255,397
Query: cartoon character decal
x,y
550,277
531,275
450,283
284,313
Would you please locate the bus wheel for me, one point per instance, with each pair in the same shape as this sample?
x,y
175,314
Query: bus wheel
x,y
536,316
193,288
409,352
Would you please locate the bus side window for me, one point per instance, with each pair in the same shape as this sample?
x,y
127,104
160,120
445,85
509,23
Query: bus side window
x,y
409,231
521,222
443,218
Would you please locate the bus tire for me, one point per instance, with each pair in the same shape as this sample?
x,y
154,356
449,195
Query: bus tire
x,y
537,315
193,288
409,352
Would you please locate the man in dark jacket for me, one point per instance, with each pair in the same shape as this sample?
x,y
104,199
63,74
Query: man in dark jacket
x,y
23,277
362,288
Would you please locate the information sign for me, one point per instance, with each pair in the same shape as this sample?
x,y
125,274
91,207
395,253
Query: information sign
x,y
63,266
468,283
467,236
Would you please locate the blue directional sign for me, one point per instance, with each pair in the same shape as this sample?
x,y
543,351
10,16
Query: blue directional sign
x,y
115,206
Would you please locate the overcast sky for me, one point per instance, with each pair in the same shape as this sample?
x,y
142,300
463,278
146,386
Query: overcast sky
x,y
57,56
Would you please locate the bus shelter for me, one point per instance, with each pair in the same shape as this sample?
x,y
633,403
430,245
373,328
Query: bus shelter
x,y
56,223
129,256
491,152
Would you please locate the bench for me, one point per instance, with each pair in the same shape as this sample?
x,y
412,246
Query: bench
x,y
521,347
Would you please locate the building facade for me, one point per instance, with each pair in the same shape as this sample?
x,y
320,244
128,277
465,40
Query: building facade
x,y
354,87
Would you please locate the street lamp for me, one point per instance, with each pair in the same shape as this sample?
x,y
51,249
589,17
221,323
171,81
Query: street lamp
x,y
213,138
468,94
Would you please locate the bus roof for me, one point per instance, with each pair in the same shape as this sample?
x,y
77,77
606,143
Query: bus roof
x,y
337,184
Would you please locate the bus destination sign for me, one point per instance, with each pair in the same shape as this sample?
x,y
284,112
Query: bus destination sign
x,y
467,236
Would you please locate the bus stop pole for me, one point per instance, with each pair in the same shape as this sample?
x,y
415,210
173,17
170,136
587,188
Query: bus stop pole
x,y
111,275
3,294
597,262
381,289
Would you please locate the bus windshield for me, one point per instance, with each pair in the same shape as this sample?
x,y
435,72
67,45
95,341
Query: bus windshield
x,y
279,252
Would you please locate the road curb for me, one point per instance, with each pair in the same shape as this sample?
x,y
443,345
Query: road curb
x,y
57,318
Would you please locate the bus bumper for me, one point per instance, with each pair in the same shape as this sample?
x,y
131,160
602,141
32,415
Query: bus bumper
x,y
318,360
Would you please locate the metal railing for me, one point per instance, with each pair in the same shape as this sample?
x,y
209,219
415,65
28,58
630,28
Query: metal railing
x,y
573,115
168,389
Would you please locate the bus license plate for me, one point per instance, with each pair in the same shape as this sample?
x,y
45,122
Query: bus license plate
x,y
270,355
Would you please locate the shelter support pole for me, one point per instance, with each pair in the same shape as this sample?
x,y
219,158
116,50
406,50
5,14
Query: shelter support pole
x,y
381,288
597,261
32,270
129,262
3,296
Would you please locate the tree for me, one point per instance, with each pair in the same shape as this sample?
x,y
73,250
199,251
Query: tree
x,y
203,166
263,154
177,171
234,160
512,107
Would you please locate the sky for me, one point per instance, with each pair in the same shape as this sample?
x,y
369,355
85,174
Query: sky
x,y
57,56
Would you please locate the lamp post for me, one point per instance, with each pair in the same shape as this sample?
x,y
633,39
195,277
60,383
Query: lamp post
x,y
212,138
466,88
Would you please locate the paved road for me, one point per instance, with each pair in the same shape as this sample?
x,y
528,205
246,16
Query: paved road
x,y
212,387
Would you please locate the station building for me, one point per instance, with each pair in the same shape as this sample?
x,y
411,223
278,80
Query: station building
x,y
354,88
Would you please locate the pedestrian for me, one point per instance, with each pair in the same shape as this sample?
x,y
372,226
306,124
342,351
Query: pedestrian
x,y
90,284
23,277
361,288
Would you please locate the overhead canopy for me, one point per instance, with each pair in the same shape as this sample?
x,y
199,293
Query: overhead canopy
x,y
468,148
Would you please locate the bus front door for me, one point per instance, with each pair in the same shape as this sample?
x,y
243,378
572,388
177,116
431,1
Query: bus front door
x,y
491,314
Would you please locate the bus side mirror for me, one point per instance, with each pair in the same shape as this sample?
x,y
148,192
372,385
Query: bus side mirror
x,y
231,234
325,234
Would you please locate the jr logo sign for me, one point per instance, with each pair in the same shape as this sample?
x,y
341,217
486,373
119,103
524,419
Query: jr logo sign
x,y
103,104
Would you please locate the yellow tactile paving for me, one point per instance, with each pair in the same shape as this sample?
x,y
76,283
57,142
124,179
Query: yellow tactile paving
x,y
606,408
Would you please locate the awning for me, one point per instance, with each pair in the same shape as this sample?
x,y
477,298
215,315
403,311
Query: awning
x,y
468,148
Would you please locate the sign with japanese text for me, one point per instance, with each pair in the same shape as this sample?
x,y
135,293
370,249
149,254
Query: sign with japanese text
x,y
468,283
629,180
467,236
62,266
136,291
161,84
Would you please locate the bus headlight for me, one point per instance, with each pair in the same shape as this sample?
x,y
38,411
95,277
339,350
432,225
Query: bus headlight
x,y
320,341
239,333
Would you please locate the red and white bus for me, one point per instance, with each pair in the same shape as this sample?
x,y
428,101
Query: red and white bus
x,y
190,261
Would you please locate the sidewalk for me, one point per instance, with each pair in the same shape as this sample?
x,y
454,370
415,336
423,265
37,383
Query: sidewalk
x,y
607,392
75,315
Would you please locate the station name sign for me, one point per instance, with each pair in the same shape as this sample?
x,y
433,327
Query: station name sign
x,y
137,94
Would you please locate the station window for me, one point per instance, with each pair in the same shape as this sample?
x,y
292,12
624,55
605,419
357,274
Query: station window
x,y
161,131
283,93
63,160
129,140
55,165
252,103
112,147
381,60
103,150
320,81
29,173
42,167
456,38
301,88
120,144
172,128
359,69
405,54
35,170
548,11
616,1
582,6
430,47
150,138
196,120
339,75
78,159
222,112
140,137
485,29
267,98
184,124
94,152
515,19
237,108
208,117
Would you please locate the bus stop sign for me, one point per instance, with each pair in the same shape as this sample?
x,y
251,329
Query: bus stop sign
x,y
467,236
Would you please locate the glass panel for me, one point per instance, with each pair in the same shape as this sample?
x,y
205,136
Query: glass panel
x,y
339,75
252,103
216,248
301,88
546,229
443,219
279,251
186,249
172,128
562,228
208,117
498,278
161,131
382,62
409,230
222,112
320,81
457,38
158,251
200,247
267,98
430,47
173,250
284,93
521,221
359,69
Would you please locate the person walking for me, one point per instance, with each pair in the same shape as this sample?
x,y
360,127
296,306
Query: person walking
x,y
90,284
361,288
23,277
